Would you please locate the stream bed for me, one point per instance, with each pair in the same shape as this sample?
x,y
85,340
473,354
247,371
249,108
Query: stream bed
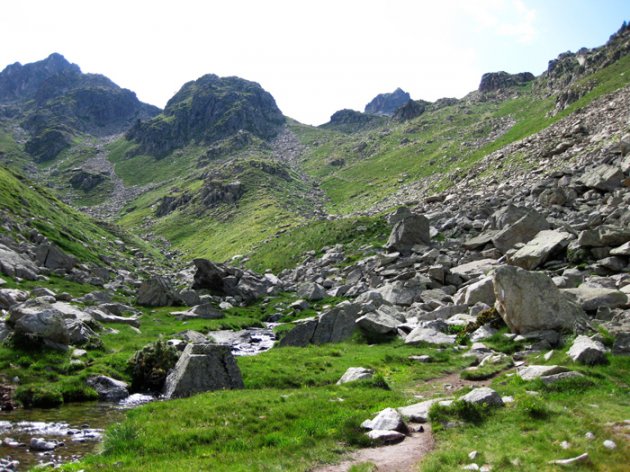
x,y
76,429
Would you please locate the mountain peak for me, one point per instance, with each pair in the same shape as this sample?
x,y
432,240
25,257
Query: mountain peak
x,y
386,104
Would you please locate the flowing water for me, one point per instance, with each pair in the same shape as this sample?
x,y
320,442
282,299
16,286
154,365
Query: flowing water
x,y
76,429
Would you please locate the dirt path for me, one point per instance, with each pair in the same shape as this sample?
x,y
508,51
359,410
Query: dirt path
x,y
401,457
406,455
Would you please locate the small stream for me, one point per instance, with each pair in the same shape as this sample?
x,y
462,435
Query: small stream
x,y
76,429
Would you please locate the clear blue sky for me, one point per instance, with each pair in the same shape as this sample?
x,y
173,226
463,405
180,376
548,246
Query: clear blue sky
x,y
314,57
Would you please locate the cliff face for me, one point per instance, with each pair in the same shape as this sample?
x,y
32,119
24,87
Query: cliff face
x,y
386,104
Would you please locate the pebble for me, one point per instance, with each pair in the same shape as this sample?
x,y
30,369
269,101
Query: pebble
x,y
589,435
565,445
472,455
472,466
608,444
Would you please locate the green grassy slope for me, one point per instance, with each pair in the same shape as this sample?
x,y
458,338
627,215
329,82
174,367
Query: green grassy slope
x,y
377,162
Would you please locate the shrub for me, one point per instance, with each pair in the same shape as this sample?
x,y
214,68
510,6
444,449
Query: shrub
x,y
534,407
149,366
39,396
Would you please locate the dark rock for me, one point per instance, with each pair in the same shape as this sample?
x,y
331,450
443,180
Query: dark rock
x,y
408,232
410,110
86,181
492,81
50,256
202,368
350,121
157,291
386,104
108,389
208,110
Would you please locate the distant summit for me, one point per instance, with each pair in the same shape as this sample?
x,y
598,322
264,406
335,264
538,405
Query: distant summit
x,y
386,104
493,81
53,100
207,110
351,121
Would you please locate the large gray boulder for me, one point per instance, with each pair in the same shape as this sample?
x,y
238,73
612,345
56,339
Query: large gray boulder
x,y
39,321
50,256
202,368
337,324
387,420
529,301
533,372
108,389
480,291
16,265
157,291
603,177
606,235
537,251
397,293
591,298
430,336
587,351
483,396
355,373
311,291
378,323
301,335
521,231
409,231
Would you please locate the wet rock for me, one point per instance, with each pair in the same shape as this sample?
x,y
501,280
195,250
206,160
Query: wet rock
x,y
529,301
40,444
108,389
202,368
301,335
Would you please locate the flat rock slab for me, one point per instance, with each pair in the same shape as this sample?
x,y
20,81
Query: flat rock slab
x,y
538,250
475,268
534,372
429,336
419,412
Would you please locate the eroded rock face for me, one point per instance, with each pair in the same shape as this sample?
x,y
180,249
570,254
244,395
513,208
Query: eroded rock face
x,y
202,368
386,104
529,301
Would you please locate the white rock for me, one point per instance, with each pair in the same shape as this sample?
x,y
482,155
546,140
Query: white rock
x,y
609,444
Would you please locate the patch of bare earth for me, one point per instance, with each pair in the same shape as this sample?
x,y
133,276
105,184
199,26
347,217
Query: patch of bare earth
x,y
406,455
401,457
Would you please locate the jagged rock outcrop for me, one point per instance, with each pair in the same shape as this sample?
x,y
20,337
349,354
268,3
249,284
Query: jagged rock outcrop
x,y
157,291
493,81
410,110
225,280
208,110
351,121
85,180
386,104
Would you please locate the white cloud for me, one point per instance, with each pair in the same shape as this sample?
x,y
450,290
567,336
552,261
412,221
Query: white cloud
x,y
507,18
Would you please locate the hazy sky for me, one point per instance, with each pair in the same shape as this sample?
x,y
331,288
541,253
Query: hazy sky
x,y
314,57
